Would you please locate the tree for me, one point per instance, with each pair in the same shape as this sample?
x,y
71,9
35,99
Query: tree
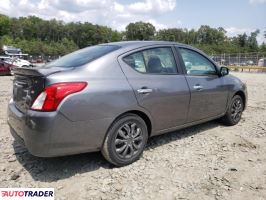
x,y
263,47
208,35
54,37
172,34
241,40
140,31
4,25
252,40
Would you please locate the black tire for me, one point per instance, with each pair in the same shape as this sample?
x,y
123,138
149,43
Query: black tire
x,y
234,111
121,140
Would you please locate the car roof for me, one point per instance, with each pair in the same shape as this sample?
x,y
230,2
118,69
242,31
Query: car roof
x,y
139,43
131,45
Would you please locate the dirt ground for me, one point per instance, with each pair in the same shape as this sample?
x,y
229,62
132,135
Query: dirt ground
x,y
208,161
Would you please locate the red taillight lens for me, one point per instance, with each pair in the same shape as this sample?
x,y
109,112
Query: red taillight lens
x,y
52,95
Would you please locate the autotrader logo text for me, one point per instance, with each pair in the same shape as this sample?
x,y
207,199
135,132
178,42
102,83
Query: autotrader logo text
x,y
27,193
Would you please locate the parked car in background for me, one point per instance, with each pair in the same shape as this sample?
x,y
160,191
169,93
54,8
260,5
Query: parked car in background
x,y
5,58
243,64
21,63
262,62
5,67
39,60
18,62
250,62
113,97
10,50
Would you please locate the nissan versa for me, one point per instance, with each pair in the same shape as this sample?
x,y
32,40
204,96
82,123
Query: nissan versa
x,y
112,97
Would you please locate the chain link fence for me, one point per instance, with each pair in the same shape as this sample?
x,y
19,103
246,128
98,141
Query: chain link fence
x,y
239,59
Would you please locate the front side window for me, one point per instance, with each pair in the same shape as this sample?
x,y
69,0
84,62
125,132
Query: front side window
x,y
153,61
196,64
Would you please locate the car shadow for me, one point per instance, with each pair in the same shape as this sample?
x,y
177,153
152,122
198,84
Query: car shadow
x,y
160,140
53,169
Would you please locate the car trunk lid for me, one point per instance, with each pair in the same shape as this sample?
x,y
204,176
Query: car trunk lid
x,y
28,83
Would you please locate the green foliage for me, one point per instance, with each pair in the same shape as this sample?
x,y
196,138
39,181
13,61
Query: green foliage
x,y
38,47
53,37
262,47
4,25
140,31
211,40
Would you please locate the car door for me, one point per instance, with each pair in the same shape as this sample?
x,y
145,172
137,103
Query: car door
x,y
209,92
158,84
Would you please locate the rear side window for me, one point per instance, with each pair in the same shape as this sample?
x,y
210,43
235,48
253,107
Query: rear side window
x,y
153,61
82,56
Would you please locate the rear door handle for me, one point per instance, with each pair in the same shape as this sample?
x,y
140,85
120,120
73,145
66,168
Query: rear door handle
x,y
144,90
197,87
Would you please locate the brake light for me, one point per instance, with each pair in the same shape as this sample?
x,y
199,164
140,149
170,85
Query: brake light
x,y
50,98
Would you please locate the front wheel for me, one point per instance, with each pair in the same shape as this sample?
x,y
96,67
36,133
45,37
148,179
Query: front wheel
x,y
234,111
125,140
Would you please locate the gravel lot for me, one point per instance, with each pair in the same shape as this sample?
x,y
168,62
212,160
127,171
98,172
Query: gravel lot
x,y
208,161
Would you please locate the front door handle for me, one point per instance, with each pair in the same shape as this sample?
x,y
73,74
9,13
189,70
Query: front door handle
x,y
144,90
197,87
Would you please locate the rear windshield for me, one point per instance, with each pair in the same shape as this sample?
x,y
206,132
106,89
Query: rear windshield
x,y
82,56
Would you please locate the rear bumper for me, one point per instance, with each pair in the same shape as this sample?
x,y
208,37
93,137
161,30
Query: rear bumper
x,y
50,134
29,130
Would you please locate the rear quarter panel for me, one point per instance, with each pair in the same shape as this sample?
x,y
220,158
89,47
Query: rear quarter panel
x,y
92,111
106,96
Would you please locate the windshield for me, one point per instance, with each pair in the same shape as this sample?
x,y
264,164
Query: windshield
x,y
82,56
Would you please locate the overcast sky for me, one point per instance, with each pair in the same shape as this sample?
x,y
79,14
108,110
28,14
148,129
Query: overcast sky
x,y
236,16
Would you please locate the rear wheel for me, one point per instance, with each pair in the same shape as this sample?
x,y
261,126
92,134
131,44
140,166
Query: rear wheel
x,y
125,140
234,111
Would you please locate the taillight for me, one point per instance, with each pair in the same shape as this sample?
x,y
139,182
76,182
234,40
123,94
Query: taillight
x,y
50,98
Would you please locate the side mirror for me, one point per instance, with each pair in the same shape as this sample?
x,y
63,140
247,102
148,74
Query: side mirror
x,y
224,71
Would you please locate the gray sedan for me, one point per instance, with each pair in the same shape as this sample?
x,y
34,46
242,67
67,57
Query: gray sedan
x,y
112,97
